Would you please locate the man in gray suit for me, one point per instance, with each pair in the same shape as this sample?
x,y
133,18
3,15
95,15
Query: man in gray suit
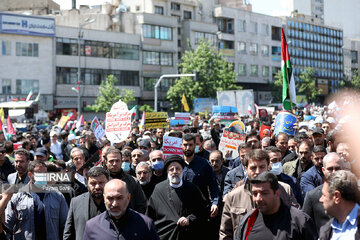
x,y
87,205
21,162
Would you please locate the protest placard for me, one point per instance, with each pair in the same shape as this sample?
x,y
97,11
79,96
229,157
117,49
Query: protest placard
x,y
118,122
177,124
97,129
172,146
183,116
284,122
232,137
156,120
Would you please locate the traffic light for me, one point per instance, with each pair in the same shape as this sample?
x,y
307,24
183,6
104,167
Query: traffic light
x,y
196,77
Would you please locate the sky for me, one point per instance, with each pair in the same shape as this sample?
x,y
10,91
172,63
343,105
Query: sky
x,y
268,7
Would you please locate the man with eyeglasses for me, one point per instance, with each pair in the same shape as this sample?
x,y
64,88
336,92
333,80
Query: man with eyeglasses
x,y
332,162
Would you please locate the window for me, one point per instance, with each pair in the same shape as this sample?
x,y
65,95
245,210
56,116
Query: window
x,y
265,71
27,49
254,70
157,58
242,47
187,15
265,29
65,75
276,53
275,33
354,56
159,10
242,26
265,50
6,86
242,69
210,37
226,44
175,6
253,49
149,83
137,8
157,32
6,48
253,27
25,86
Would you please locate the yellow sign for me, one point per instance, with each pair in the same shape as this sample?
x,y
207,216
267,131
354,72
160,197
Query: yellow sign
x,y
156,120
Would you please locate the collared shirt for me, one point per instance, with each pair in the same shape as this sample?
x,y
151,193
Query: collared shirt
x,y
347,229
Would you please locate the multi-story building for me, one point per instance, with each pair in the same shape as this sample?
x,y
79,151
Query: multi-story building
x,y
312,44
251,41
27,57
313,8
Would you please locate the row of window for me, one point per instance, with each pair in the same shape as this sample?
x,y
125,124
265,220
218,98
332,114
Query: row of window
x,y
315,46
23,86
22,49
321,73
254,70
316,55
157,32
254,49
314,37
66,75
314,28
166,83
69,46
253,27
316,64
158,58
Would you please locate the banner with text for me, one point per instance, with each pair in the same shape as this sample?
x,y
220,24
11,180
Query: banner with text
x,y
172,146
118,122
97,129
156,120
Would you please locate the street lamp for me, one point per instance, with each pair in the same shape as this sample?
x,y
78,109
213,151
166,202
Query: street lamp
x,y
87,21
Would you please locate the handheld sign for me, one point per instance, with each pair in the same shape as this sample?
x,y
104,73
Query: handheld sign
x,y
118,122
156,120
97,129
284,122
172,146
232,137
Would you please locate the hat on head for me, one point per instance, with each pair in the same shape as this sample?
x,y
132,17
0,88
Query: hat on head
x,y
41,152
147,132
173,158
52,133
145,143
318,130
184,128
71,137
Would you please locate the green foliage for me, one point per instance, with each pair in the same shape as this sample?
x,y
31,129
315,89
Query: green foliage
x,y
307,85
276,88
215,74
110,94
145,108
353,83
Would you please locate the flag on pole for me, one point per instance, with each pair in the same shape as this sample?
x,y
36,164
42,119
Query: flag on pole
x,y
133,112
142,122
10,129
184,103
3,128
2,115
30,95
250,110
288,76
37,98
80,122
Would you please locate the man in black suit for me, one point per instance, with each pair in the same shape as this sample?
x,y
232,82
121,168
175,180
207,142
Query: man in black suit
x,y
87,205
332,162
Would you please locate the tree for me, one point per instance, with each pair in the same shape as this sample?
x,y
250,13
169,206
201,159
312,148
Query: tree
x,y
215,74
276,88
146,108
307,85
353,83
110,94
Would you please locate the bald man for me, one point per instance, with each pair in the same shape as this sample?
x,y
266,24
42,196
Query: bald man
x,y
119,221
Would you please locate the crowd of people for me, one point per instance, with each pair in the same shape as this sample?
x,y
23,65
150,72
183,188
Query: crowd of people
x,y
279,187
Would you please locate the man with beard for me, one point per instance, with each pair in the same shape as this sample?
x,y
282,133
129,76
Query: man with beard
x,y
272,219
113,162
21,162
87,205
119,221
239,201
314,176
89,147
299,166
281,141
143,174
176,205
6,167
199,172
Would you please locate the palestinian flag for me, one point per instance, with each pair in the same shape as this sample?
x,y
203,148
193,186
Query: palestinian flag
x,y
10,129
289,92
30,95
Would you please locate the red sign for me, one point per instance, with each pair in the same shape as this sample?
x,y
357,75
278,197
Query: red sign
x,y
65,112
88,50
